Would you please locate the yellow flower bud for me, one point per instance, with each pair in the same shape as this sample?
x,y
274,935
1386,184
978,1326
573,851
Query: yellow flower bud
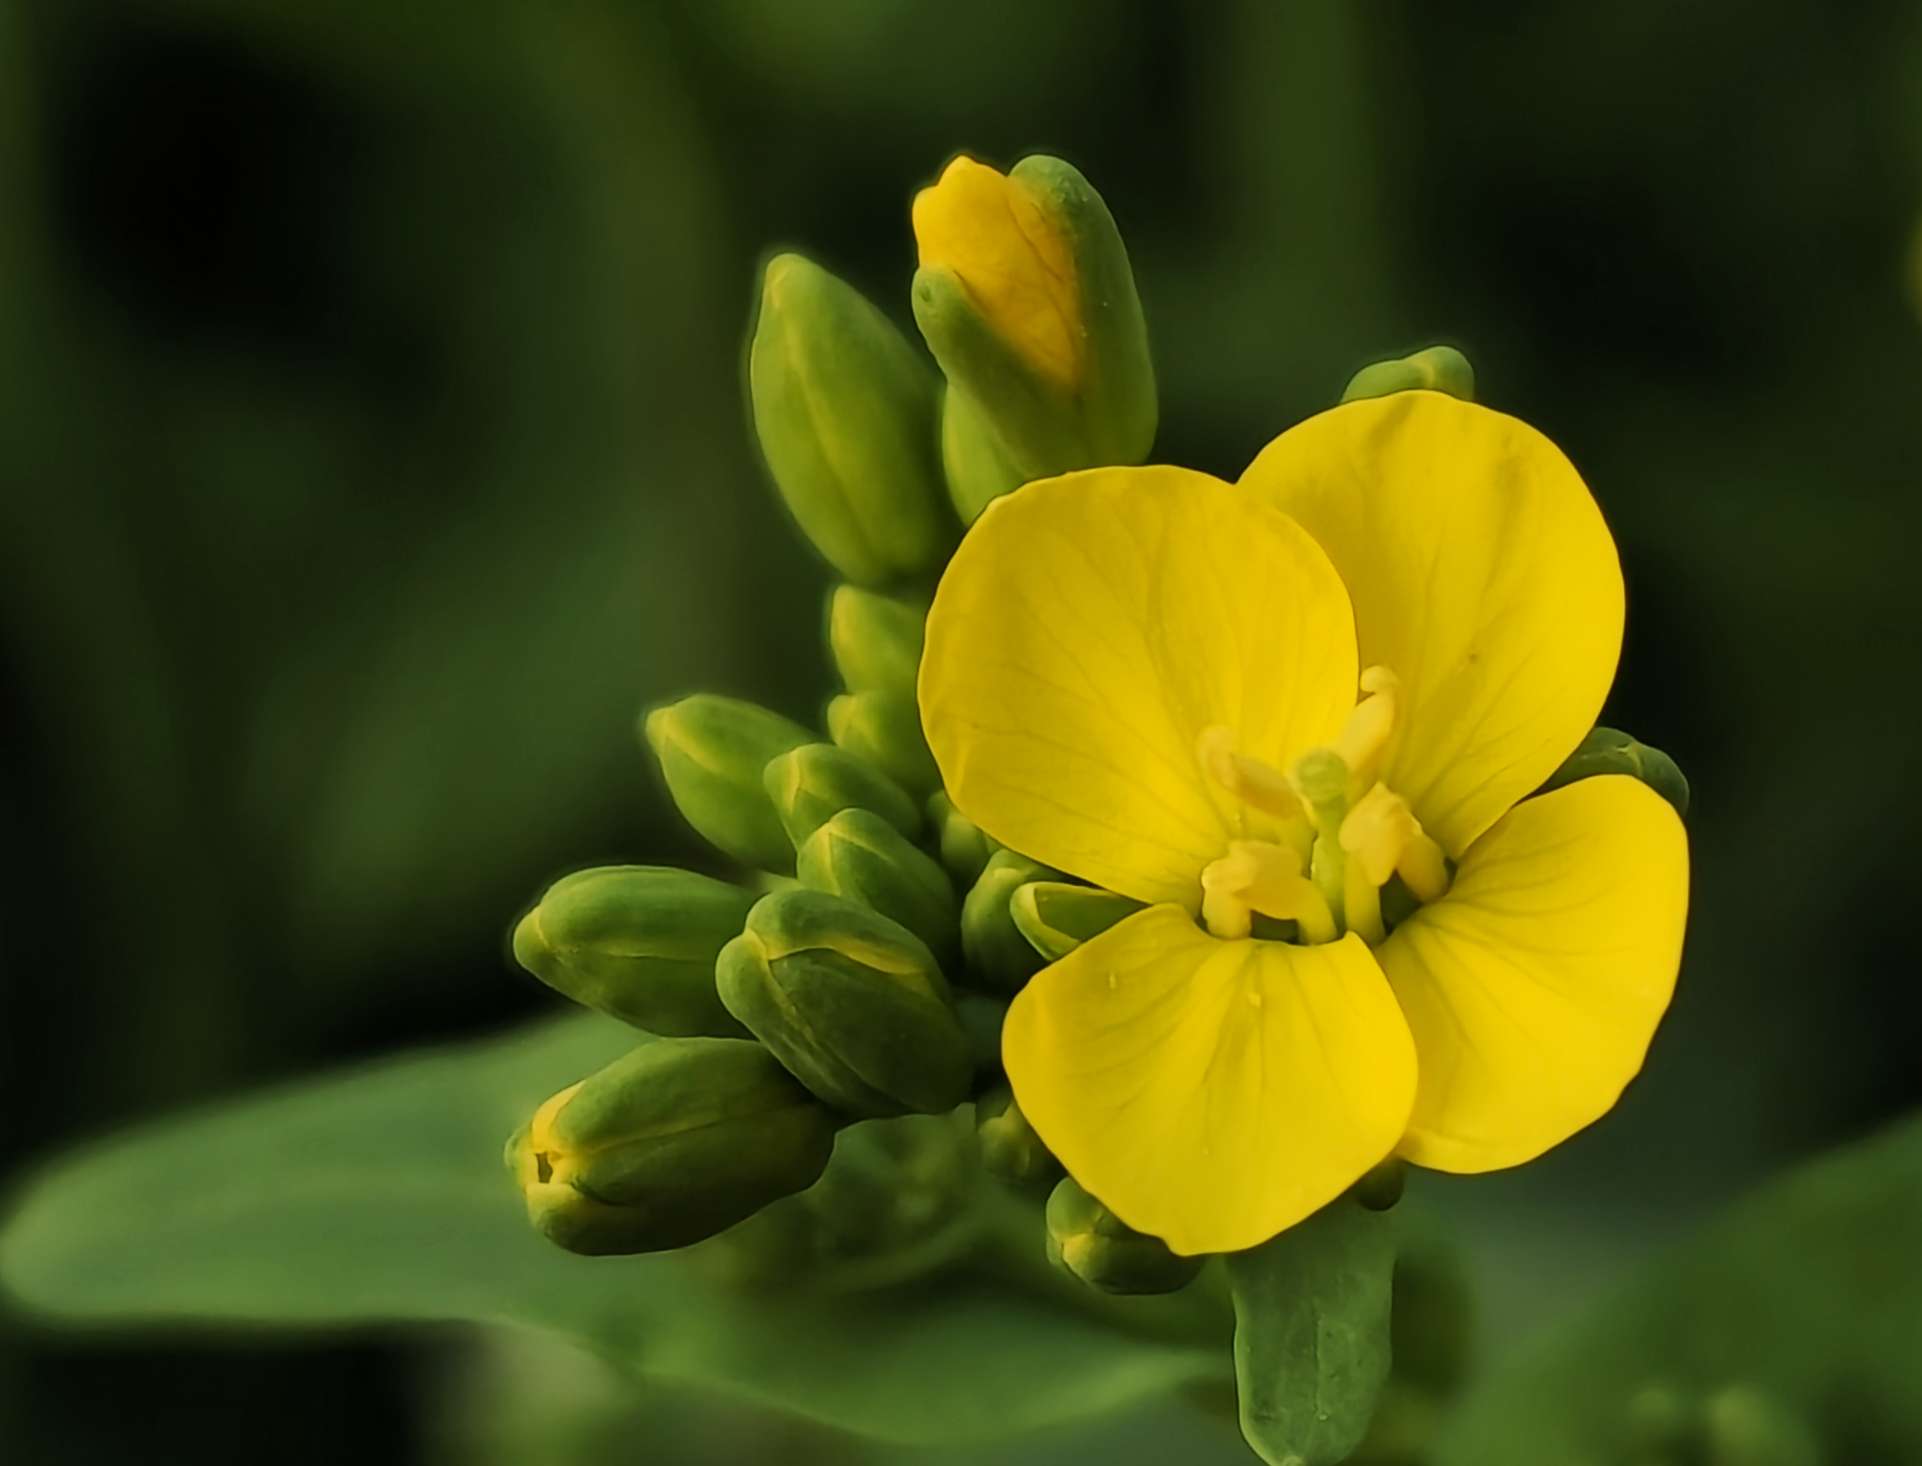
x,y
1027,300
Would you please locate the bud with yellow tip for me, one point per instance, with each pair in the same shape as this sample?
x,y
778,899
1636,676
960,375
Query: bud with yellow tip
x,y
846,413
1026,298
668,1145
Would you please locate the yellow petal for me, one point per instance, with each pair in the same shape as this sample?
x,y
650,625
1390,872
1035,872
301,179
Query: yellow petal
x,y
1211,1093
1481,573
1534,986
1089,629
1011,257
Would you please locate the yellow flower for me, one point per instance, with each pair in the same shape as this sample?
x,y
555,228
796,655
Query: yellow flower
x,y
1148,678
1011,257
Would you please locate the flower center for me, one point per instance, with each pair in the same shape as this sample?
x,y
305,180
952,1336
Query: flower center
x,y
1340,835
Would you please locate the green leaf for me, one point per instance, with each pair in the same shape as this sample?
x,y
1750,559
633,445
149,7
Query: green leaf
x,y
1806,1296
1312,1310
378,1196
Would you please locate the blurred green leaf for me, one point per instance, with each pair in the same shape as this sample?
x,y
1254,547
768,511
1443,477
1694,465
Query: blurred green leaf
x,y
1312,1334
1808,1293
377,1196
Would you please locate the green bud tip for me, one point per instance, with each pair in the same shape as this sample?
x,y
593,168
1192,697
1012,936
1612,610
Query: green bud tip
x,y
712,751
860,857
1433,369
1090,1241
811,784
1010,1149
1056,916
998,955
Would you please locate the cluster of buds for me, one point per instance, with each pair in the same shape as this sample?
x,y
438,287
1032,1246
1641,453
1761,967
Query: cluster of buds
x,y
858,966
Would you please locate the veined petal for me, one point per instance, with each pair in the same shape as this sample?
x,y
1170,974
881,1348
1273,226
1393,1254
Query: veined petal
x,y
1534,986
1211,1093
1481,572
1087,631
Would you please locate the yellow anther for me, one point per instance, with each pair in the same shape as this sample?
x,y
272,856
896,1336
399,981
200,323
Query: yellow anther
x,y
1364,738
1255,876
1382,837
1249,780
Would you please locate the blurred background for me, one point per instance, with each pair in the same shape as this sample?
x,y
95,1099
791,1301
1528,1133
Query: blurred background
x,y
371,449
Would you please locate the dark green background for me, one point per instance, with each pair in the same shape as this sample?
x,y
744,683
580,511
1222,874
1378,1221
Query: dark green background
x,y
371,449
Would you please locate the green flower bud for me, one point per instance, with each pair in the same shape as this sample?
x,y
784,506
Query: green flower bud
x,y
978,467
1056,916
999,957
1380,1188
1105,1252
964,846
1027,300
860,857
852,1003
638,943
1610,751
845,410
811,784
712,751
875,639
670,1144
884,728
1010,1150
1434,369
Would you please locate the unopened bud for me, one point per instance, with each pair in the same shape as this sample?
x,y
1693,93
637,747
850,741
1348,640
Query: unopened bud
x,y
1057,916
884,728
1105,1252
998,956
1433,369
1611,751
846,415
670,1144
860,857
1010,1150
638,943
712,752
811,784
1381,1186
875,639
978,465
1027,300
852,1003
964,845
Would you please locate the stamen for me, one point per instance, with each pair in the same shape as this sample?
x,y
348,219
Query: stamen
x,y
1250,780
1382,837
1364,738
1255,876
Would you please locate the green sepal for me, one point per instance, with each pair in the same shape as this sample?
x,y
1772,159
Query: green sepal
x,y
1611,751
846,414
1096,1246
811,784
1010,1149
1432,369
1381,1186
1312,1345
884,728
965,847
670,1144
875,639
1058,916
712,751
998,956
860,857
638,943
977,464
853,1004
